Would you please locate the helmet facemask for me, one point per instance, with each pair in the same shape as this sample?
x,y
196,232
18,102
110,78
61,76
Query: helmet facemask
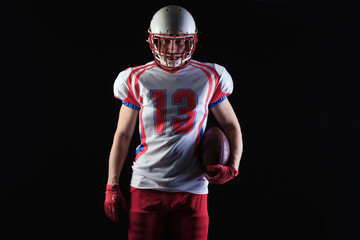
x,y
172,51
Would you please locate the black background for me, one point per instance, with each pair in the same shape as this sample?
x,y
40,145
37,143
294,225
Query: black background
x,y
295,71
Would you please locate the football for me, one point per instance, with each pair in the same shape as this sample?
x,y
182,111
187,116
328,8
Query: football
x,y
214,149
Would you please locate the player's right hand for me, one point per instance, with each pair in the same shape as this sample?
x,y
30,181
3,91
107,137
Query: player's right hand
x,y
224,174
112,198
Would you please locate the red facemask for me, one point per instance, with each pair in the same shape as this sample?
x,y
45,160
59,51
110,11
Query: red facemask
x,y
172,52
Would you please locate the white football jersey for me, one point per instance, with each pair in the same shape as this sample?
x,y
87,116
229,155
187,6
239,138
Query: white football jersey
x,y
174,109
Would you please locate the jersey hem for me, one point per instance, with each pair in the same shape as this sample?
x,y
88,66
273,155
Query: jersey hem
x,y
173,190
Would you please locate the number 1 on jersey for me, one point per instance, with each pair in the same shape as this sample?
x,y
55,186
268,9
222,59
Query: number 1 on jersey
x,y
186,102
159,98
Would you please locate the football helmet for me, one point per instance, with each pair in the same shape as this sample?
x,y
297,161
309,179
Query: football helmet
x,y
172,37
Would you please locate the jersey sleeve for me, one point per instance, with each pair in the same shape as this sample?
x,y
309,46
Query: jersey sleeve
x,y
124,90
223,88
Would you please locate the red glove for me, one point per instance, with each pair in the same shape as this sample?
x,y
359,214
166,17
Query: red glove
x,y
112,198
224,174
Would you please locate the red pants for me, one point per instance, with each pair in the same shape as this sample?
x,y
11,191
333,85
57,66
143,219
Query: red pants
x,y
150,209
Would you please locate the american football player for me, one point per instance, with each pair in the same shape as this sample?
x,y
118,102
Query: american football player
x,y
171,96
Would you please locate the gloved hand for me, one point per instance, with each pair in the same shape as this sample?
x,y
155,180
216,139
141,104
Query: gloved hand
x,y
112,198
224,174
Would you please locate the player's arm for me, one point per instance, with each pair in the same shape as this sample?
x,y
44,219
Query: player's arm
x,y
119,150
225,115
118,153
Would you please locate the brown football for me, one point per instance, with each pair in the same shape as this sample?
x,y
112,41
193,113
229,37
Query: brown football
x,y
214,149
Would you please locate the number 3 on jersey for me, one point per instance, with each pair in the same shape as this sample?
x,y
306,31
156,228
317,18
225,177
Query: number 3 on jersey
x,y
186,102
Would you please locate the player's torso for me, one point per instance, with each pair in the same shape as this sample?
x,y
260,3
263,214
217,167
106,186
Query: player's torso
x,y
173,115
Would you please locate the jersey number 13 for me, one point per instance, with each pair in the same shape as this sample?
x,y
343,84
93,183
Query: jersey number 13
x,y
185,102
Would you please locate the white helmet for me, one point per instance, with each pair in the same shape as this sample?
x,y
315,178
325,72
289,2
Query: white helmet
x,y
174,26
